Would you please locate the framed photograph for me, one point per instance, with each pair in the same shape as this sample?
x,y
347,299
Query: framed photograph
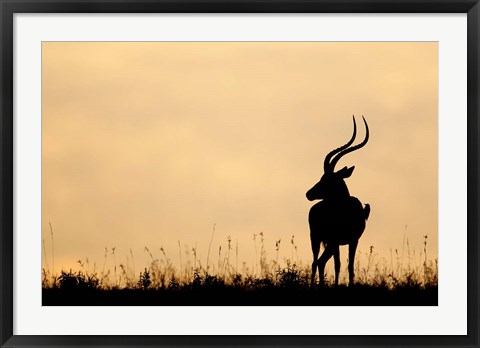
x,y
239,173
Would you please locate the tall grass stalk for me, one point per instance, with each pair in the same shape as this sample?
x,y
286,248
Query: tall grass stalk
x,y
180,253
115,265
210,244
133,260
236,256
403,246
53,250
256,253
45,255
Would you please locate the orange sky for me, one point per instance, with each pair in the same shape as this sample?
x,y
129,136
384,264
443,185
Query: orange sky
x,y
151,144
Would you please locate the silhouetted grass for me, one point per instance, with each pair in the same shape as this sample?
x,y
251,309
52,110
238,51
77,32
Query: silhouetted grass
x,y
377,282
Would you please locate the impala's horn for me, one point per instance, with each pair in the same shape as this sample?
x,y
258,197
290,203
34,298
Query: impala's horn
x,y
351,149
327,167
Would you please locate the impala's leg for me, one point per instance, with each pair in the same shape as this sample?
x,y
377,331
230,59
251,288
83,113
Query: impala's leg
x,y
315,251
352,248
336,257
326,255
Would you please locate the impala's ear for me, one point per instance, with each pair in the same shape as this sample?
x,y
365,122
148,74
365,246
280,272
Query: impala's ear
x,y
346,172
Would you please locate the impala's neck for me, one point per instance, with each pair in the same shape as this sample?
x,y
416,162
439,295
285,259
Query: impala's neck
x,y
338,193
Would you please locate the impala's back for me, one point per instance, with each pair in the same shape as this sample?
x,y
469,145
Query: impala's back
x,y
339,222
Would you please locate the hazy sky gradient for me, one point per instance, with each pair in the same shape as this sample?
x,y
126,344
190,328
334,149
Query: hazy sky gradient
x,y
148,144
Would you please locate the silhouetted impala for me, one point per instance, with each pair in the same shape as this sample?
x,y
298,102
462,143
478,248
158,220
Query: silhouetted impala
x,y
339,219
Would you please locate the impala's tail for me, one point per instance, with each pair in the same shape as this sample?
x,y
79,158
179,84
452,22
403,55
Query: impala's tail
x,y
366,211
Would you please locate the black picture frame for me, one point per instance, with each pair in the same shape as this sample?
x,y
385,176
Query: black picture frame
x,y
10,7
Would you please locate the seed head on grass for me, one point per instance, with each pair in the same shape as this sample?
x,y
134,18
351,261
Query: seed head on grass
x,y
124,273
277,249
292,242
219,258
149,253
133,260
166,259
229,243
194,251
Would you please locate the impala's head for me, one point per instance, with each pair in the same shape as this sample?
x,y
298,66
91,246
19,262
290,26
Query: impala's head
x,y
332,184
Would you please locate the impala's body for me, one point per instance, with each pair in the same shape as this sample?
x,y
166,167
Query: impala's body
x,y
338,219
341,222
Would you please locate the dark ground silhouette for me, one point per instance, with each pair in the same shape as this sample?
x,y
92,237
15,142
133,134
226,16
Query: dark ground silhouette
x,y
361,295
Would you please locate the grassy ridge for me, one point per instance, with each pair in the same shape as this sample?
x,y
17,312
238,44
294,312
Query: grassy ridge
x,y
283,287
269,283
